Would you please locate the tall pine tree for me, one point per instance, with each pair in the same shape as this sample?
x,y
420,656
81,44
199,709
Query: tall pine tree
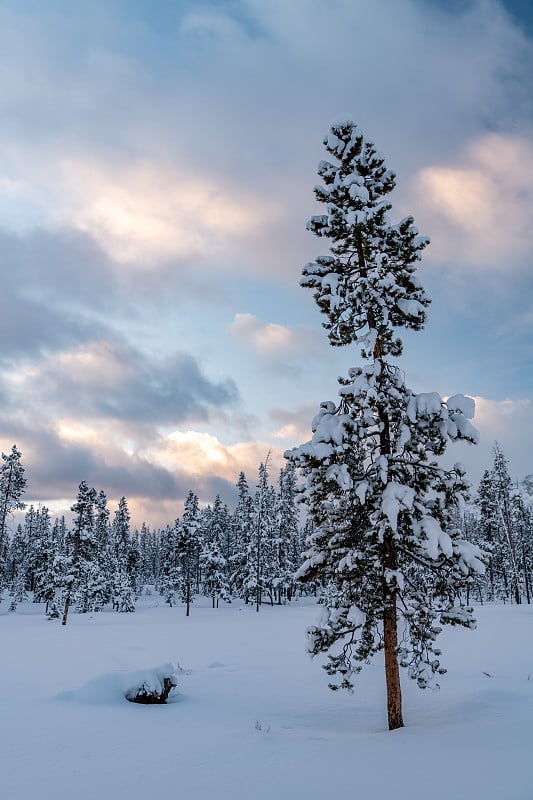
x,y
381,504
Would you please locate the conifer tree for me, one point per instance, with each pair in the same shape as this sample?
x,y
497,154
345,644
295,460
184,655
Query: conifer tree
x,y
242,531
105,556
380,503
188,548
124,560
81,544
213,567
217,542
286,543
260,560
12,487
502,493
495,577
169,571
41,553
54,578
18,566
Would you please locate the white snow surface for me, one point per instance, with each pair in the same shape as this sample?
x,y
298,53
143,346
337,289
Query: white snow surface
x,y
253,718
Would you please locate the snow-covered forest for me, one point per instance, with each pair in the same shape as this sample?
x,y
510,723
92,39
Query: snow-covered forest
x,y
250,552
97,560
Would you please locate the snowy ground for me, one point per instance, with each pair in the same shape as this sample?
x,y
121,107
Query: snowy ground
x,y
254,718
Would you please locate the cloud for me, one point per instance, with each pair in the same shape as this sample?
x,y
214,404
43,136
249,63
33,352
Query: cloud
x,y
144,213
53,286
480,209
266,338
203,142
114,381
293,425
203,453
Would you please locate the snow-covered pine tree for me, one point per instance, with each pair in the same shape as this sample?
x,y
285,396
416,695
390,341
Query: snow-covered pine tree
x,y
216,543
188,548
380,503
259,566
12,487
54,578
82,547
213,564
495,577
225,535
124,578
286,542
522,526
105,555
169,571
41,553
17,563
502,493
242,523
148,553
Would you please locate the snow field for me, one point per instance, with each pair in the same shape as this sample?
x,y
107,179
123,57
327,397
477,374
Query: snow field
x,y
253,718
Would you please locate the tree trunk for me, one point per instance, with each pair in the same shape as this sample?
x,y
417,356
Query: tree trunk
x,y
526,578
67,606
390,640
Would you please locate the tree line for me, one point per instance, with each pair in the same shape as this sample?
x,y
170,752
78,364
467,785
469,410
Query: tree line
x,y
98,560
251,553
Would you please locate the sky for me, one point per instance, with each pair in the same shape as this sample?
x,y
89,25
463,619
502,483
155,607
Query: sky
x,y
157,164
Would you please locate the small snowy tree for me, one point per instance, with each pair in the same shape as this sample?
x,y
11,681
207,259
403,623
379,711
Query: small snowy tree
x,y
188,548
380,503
12,487
82,549
242,528
286,542
216,543
169,573
124,579
259,563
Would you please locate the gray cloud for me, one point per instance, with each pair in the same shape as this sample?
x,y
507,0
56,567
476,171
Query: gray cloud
x,y
52,283
110,379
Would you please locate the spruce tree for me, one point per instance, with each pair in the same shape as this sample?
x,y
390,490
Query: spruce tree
x,y
105,555
260,567
54,578
82,549
286,543
188,548
124,573
215,545
242,523
12,487
502,492
381,505
169,571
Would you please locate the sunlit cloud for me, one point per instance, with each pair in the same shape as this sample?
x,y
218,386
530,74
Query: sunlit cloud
x,y
146,212
199,454
265,337
480,208
293,426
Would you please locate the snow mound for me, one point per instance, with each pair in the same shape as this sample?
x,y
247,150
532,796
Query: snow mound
x,y
113,687
151,685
